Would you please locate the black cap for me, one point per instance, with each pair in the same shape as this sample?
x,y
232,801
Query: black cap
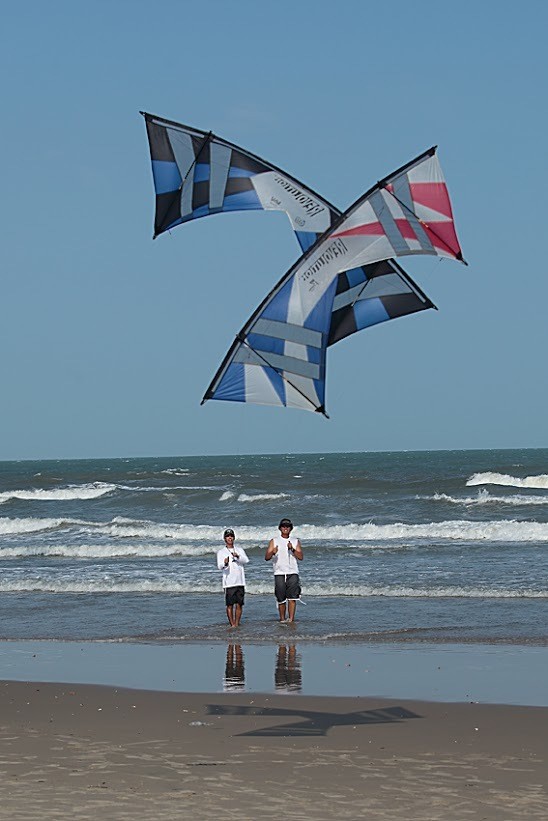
x,y
285,523
228,532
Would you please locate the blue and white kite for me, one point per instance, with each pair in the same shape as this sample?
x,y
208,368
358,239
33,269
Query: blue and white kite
x,y
197,174
279,356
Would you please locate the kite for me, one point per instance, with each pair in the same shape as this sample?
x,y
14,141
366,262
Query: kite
x,y
198,174
279,356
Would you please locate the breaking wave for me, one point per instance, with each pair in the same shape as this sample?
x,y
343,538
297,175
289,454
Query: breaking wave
x,y
105,551
93,491
172,586
261,497
485,498
16,526
538,482
459,530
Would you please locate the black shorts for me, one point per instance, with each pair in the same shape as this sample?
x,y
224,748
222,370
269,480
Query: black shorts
x,y
235,595
287,588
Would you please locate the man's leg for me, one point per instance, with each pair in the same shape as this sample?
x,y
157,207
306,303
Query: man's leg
x,y
293,593
281,594
230,614
237,615
291,605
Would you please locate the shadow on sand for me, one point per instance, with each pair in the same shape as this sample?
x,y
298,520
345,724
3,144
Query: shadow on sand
x,y
310,722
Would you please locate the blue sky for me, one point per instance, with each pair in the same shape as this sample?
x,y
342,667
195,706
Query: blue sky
x,y
109,339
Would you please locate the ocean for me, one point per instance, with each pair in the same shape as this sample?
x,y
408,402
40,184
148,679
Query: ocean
x,y
435,547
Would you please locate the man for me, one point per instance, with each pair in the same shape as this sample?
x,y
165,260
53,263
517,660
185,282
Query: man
x,y
285,553
231,562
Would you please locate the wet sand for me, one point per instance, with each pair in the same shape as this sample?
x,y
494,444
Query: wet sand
x,y
87,751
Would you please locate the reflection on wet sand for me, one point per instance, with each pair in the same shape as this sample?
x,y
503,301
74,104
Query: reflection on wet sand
x,y
234,678
288,673
287,670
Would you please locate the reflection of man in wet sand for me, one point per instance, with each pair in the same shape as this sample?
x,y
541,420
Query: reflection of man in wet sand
x,y
288,675
234,671
285,552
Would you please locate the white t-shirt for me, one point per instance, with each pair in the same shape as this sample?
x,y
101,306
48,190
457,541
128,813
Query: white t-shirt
x,y
284,561
233,573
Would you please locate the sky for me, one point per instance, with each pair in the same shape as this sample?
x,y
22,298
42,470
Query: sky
x,y
109,339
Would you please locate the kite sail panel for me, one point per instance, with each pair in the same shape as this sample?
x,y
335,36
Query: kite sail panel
x,y
197,173
279,356
406,213
372,294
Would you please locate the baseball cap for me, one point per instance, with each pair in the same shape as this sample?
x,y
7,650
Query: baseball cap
x,y
228,532
285,523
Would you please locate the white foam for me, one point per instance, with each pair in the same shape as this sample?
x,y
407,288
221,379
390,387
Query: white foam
x,y
105,584
88,491
485,498
228,494
538,482
102,551
261,497
165,488
397,591
506,530
498,531
15,526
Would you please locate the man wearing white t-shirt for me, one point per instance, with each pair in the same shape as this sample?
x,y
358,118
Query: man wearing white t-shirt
x,y
231,562
286,553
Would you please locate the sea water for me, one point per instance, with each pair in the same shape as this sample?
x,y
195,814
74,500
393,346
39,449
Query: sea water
x,y
443,547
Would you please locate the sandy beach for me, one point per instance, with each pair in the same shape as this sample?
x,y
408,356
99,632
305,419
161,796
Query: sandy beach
x,y
84,751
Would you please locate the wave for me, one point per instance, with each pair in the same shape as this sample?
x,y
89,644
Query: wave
x,y
506,530
261,497
171,586
14,527
105,551
485,498
88,491
503,531
538,482
92,491
165,488
257,497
